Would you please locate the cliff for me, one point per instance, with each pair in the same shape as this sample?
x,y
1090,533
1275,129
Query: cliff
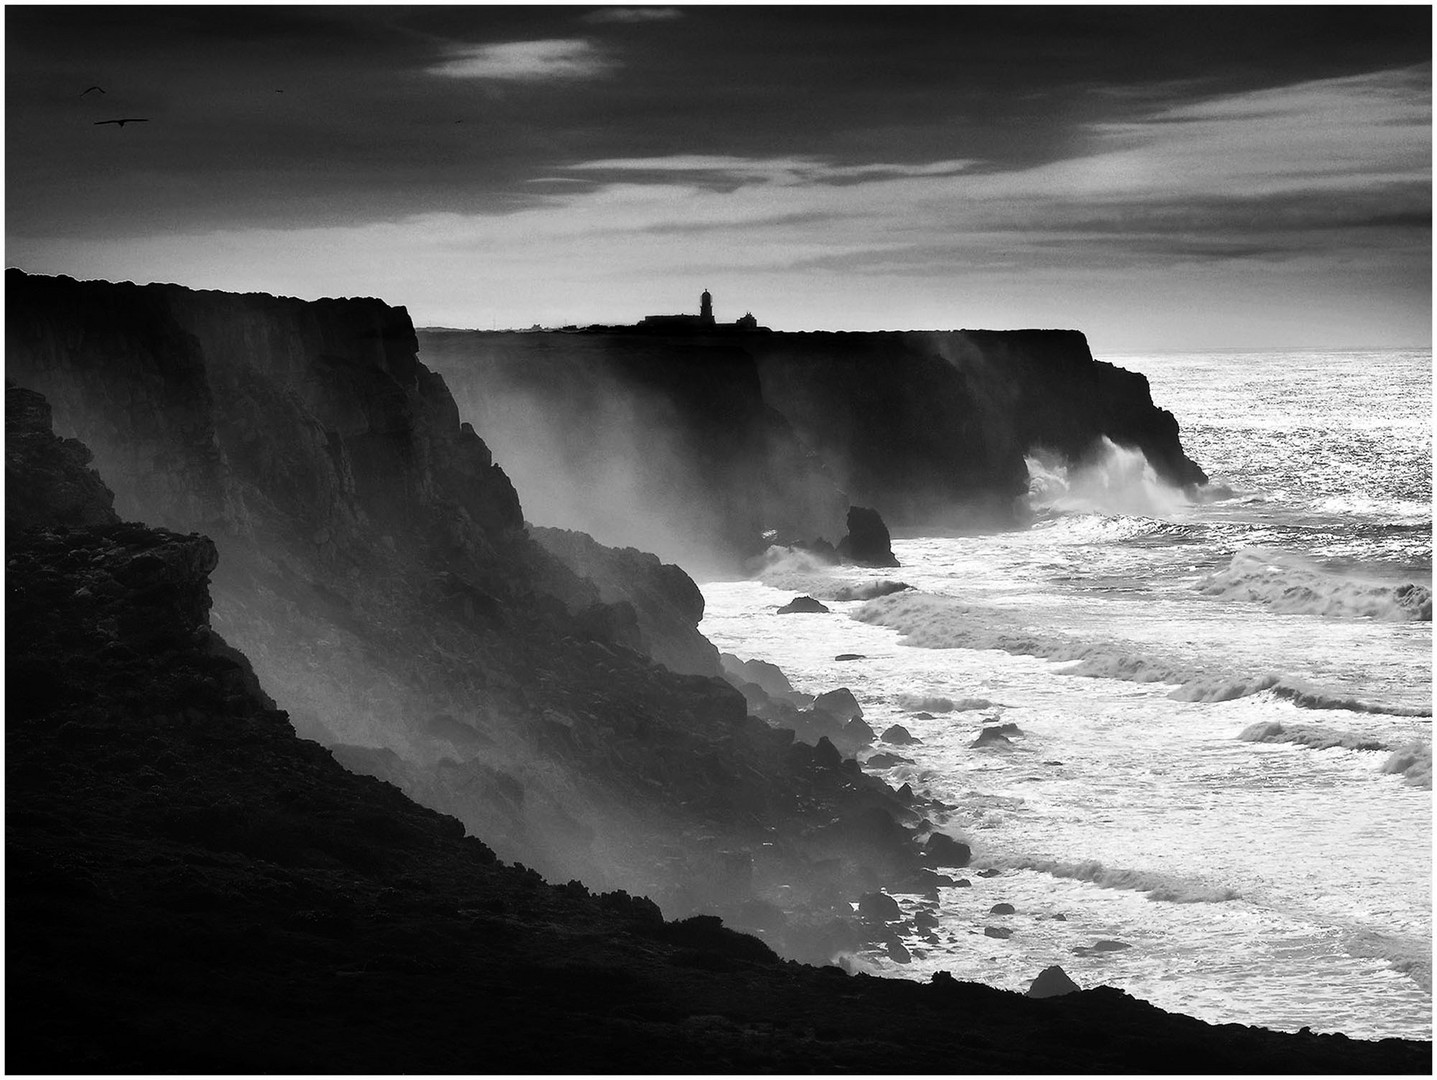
x,y
374,567
929,428
190,888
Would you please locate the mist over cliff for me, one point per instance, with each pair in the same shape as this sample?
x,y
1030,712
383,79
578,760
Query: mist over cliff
x,y
665,443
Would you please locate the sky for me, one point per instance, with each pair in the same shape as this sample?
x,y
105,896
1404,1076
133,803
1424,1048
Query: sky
x,y
1161,178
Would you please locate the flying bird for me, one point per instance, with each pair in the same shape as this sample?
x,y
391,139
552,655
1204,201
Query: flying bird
x,y
125,120
99,88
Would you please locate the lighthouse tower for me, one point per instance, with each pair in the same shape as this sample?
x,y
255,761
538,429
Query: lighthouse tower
x,y
706,308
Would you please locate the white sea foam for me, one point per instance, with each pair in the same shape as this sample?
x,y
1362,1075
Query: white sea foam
x,y
1158,886
1118,481
1289,583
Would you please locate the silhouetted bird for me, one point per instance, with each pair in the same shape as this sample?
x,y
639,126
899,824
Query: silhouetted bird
x,y
126,120
99,88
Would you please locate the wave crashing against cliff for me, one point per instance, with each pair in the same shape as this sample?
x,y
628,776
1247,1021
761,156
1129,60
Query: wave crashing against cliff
x,y
1115,480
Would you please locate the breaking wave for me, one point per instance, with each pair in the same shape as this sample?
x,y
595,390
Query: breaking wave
x,y
1305,697
943,622
1413,762
1118,481
1288,583
1164,887
922,703
1411,956
791,568
867,591
1315,738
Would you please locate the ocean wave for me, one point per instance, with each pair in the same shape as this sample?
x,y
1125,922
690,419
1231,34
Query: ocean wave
x,y
1288,583
1162,887
1413,763
1374,506
1065,527
1315,738
923,703
1218,688
1305,697
1118,480
1409,955
791,569
867,591
941,622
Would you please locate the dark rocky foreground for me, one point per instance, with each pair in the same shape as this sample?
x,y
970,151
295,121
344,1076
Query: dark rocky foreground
x,y
191,888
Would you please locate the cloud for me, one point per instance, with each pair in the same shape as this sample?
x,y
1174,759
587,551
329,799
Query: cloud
x,y
727,169
526,61
632,14
1302,208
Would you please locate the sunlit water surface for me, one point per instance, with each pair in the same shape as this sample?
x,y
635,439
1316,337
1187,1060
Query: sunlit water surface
x,y
1133,637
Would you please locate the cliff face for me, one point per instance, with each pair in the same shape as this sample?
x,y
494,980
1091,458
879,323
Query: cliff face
x,y
374,567
929,428
192,889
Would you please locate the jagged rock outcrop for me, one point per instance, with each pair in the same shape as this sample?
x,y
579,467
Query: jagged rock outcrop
x,y
803,605
47,481
668,606
929,428
867,542
375,569
1052,982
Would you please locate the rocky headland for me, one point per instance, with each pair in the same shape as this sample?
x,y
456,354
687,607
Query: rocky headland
x,y
194,888
619,431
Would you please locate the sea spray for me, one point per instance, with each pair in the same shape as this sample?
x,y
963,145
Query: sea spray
x,y
1119,480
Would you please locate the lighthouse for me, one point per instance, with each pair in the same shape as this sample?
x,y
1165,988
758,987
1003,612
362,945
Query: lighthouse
x,y
706,308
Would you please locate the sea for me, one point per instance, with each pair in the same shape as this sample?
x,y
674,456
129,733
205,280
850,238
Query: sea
x,y
1213,787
